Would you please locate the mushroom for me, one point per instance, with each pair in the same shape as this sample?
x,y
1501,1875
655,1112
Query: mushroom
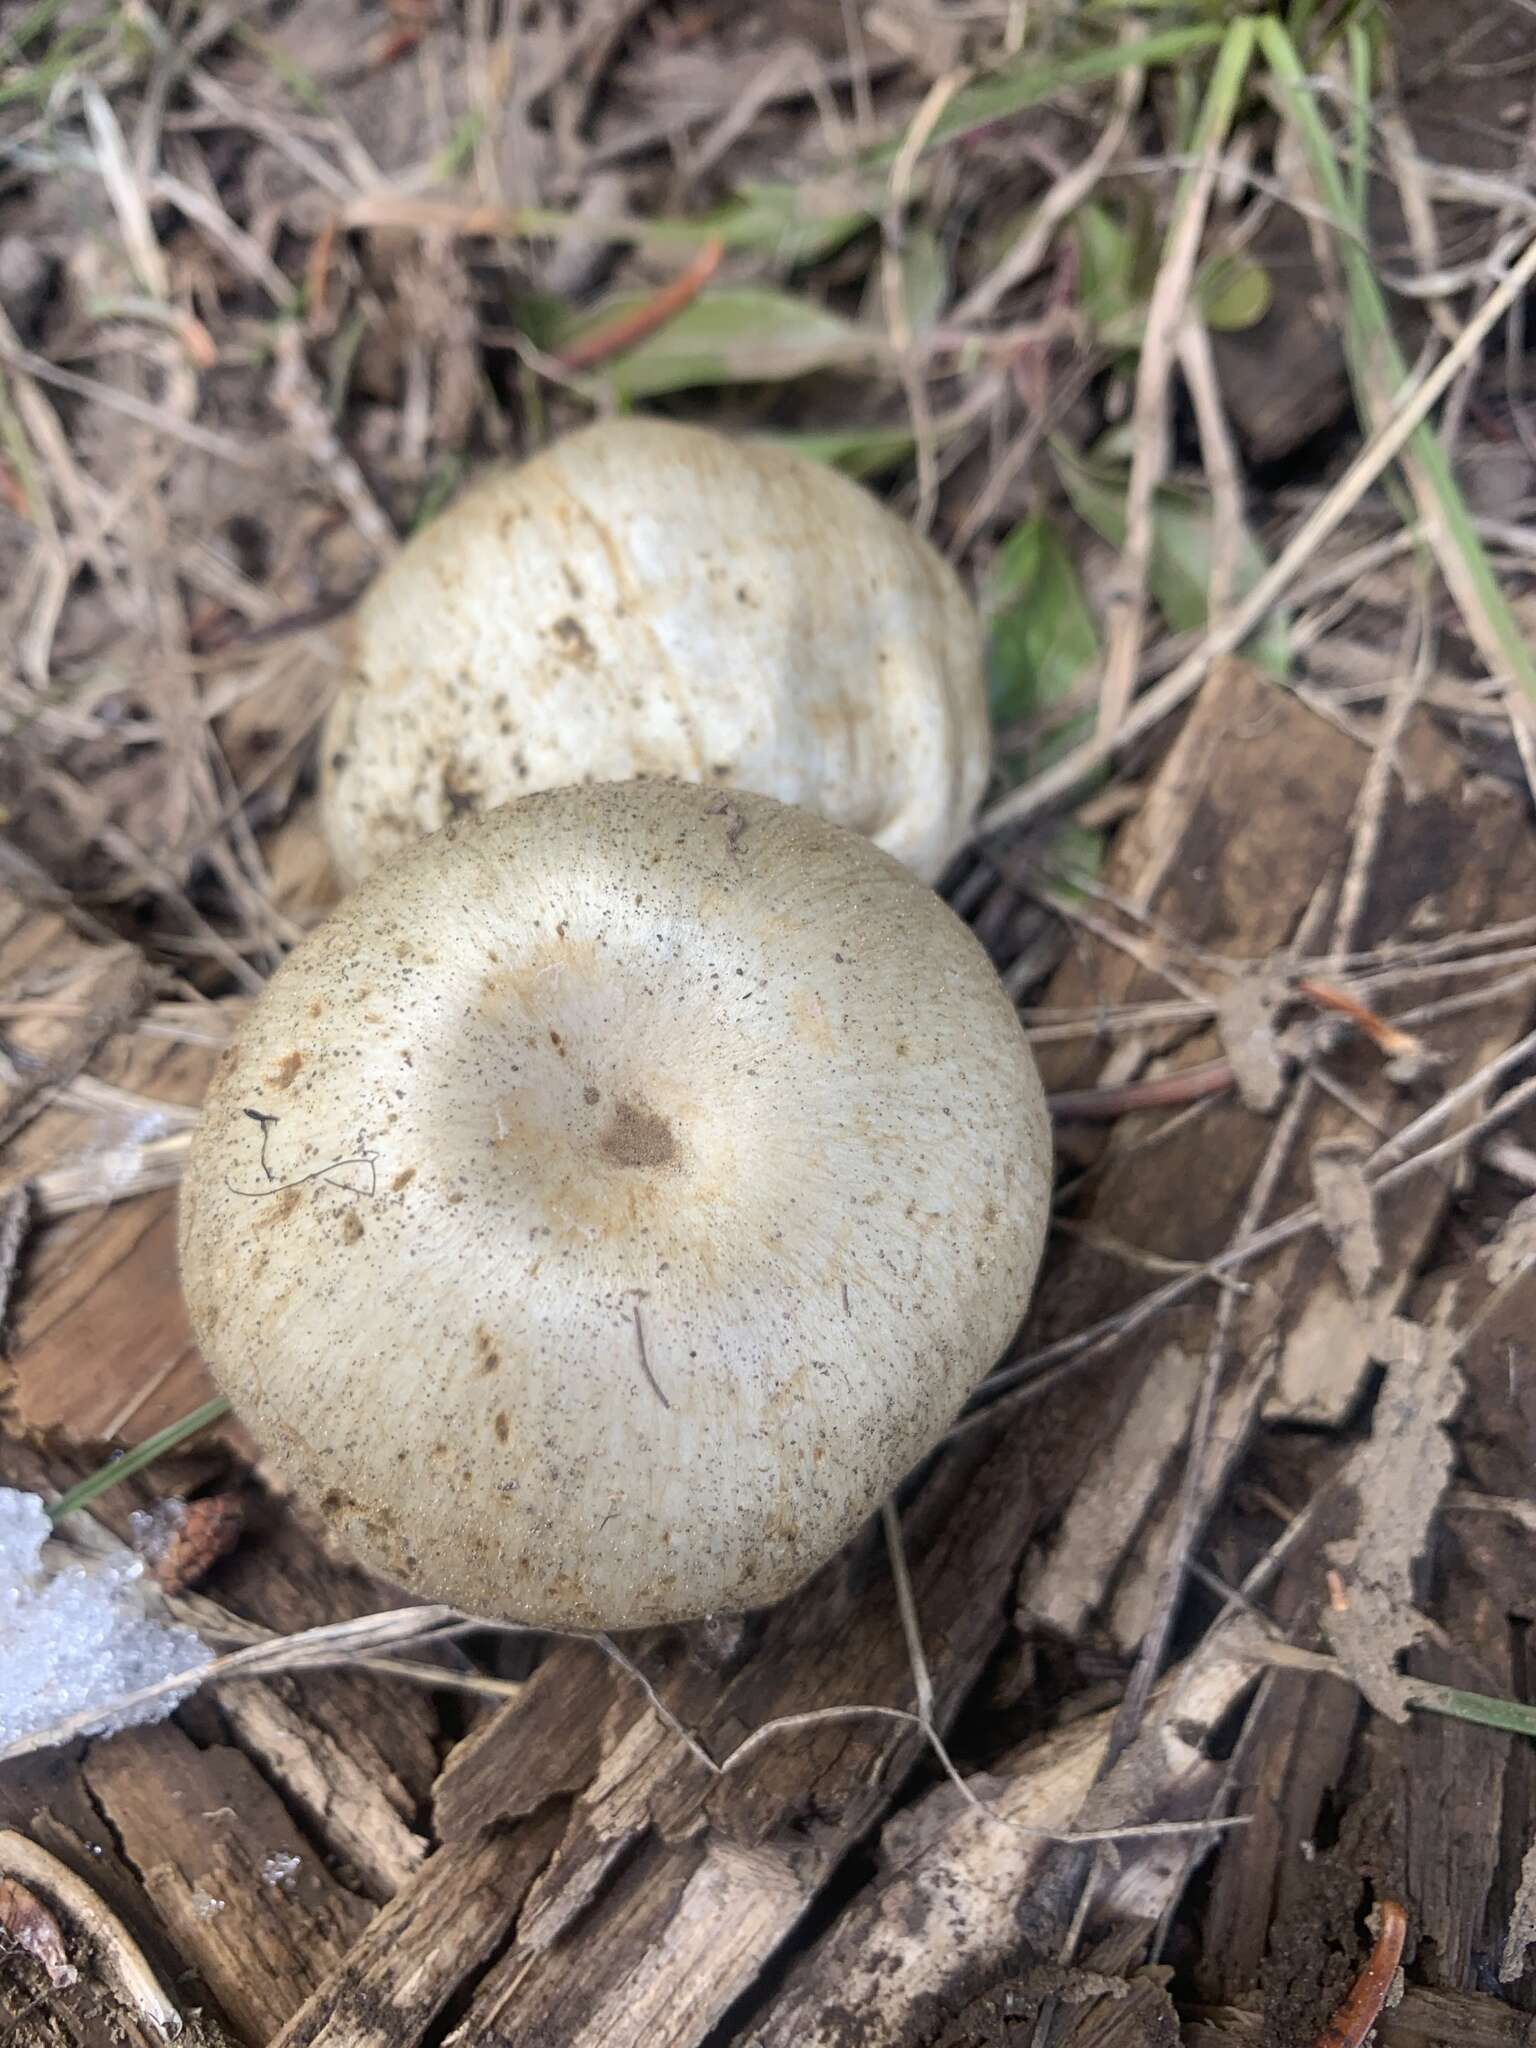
x,y
601,1211
648,599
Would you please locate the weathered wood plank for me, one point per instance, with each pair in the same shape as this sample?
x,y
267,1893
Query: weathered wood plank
x,y
549,1741
438,1935
962,1894
83,992
197,1827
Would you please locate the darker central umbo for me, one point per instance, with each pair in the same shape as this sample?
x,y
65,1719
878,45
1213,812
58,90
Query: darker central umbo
x,y
636,1136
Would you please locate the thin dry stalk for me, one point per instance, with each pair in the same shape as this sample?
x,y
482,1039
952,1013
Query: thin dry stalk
x,y
294,394
126,193
113,1949
1199,1486
912,1635
312,1649
159,417
1219,457
1406,167
1166,312
893,290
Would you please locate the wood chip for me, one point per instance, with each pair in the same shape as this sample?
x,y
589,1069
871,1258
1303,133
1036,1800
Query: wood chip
x,y
15,1215
652,1862
113,1951
441,1931
330,1786
198,1826
548,1742
1348,1203
959,1891
29,1924
1245,1021
1398,1478
85,991
1520,1936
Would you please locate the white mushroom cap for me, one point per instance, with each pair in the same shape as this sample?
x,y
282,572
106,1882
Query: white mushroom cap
x,y
647,599
608,1204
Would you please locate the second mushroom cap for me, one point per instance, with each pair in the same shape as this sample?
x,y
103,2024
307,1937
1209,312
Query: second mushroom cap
x,y
646,598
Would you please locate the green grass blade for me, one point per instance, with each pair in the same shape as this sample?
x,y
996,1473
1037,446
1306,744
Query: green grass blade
x,y
731,334
153,1447
1359,126
32,23
1020,86
70,50
287,70
1228,76
1456,1705
793,224
1381,366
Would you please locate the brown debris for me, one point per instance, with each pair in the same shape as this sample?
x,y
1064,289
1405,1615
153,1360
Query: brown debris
x,y
206,1530
28,1923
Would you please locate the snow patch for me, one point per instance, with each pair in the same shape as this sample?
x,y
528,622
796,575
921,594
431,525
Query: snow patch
x,y
77,1634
